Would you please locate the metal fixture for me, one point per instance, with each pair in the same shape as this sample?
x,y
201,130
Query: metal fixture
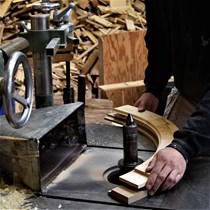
x,y
10,58
44,42
130,149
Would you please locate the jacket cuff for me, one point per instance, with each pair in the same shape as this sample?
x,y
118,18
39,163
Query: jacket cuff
x,y
152,90
180,148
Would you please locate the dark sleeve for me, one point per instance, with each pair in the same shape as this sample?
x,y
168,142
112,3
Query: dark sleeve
x,y
158,70
194,137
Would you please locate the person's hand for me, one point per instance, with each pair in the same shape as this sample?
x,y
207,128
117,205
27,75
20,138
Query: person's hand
x,y
166,169
147,101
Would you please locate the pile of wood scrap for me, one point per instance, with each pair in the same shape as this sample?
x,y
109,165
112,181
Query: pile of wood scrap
x,y
96,18
11,13
92,19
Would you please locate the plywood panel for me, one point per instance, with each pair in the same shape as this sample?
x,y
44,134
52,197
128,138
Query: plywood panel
x,y
122,58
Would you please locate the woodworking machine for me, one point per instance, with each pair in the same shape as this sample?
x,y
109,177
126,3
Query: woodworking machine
x,y
54,152
52,136
45,41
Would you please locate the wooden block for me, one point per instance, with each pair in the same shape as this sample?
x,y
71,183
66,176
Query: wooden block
x,y
89,78
77,34
4,7
122,85
1,31
118,3
91,36
139,6
127,195
90,62
81,12
101,21
87,51
94,3
95,70
104,2
135,179
62,57
17,1
19,12
83,3
96,25
104,31
125,85
130,25
95,85
8,35
115,30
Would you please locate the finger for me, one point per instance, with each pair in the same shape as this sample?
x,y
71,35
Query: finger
x,y
177,179
171,180
151,165
137,103
151,182
160,179
141,107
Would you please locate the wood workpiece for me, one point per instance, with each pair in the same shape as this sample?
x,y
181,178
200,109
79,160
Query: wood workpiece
x,y
149,122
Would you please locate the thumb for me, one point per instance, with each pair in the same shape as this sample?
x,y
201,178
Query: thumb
x,y
141,108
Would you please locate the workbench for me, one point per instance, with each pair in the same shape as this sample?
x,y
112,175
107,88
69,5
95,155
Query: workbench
x,y
86,182
191,193
84,185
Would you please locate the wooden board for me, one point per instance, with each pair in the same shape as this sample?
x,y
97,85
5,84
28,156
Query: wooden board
x,y
125,85
4,7
127,195
122,85
122,58
118,3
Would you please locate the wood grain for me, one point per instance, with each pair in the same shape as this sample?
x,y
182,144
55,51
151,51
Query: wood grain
x,y
122,58
4,7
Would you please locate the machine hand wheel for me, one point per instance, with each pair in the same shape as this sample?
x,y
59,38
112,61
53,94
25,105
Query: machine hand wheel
x,y
10,94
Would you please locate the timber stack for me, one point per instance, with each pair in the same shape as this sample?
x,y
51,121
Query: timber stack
x,y
92,19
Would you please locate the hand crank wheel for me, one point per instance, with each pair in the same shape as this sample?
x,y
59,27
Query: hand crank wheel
x,y
10,94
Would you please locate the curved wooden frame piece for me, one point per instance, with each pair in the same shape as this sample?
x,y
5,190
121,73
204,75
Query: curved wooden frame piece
x,y
162,134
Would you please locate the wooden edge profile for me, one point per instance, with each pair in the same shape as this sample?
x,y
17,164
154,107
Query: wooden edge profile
x,y
162,130
127,195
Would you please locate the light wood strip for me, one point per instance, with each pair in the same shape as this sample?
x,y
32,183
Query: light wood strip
x,y
4,7
125,85
127,195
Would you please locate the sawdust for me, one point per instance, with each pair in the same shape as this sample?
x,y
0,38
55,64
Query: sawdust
x,y
14,197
